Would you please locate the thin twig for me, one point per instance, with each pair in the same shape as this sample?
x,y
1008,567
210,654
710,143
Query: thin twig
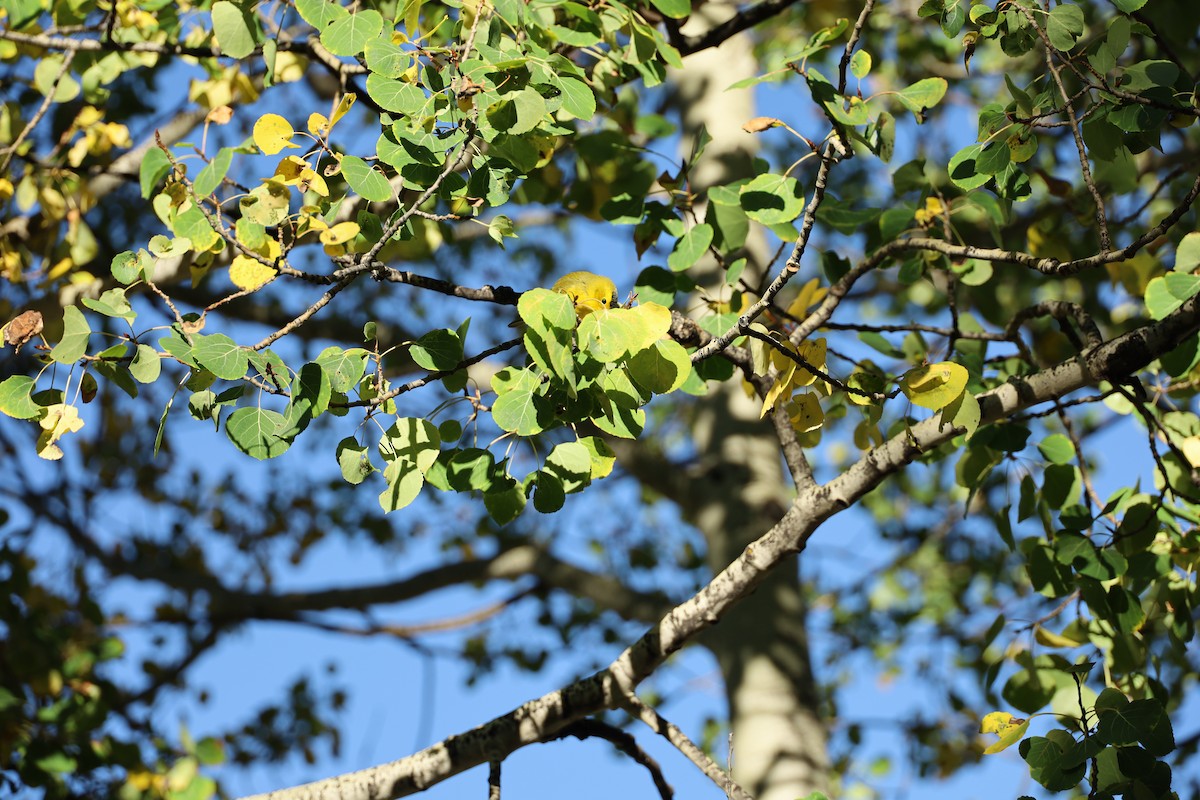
x,y
623,741
683,744
11,150
1081,149
305,315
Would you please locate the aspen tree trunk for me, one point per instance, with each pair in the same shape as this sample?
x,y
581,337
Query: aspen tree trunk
x,y
779,741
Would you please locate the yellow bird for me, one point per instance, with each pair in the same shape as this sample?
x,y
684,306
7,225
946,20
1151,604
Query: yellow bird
x,y
588,291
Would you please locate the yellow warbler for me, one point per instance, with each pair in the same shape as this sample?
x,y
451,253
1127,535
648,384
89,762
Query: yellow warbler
x,y
588,291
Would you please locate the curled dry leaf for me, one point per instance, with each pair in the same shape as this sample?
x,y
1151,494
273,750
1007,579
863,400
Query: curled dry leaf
x,y
760,124
220,115
23,328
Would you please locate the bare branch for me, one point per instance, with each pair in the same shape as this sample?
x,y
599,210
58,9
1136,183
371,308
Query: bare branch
x,y
715,36
623,741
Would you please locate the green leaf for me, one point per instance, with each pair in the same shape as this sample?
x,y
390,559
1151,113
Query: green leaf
x,y
1047,765
320,13
662,368
16,397
1129,6
504,501
195,226
1187,254
394,95
311,394
214,172
626,423
1061,485
1057,449
220,355
470,470
922,95
252,430
993,158
578,100
675,9
56,763
412,440
438,350
520,411
860,64
404,484
691,247
155,166
365,180
548,492
112,303
528,109
601,455
607,335
656,285
128,266
146,365
1143,722
45,74
235,31
571,463
552,350
964,170
1065,26
544,309
772,199
386,59
354,460
73,344
1167,293
344,367
349,35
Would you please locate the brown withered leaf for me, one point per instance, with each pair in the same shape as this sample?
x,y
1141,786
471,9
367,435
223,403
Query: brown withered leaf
x,y
23,328
220,115
760,124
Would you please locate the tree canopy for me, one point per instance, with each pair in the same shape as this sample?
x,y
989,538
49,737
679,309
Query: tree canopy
x,y
288,276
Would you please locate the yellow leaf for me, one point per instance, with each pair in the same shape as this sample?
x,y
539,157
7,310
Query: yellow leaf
x,y
997,722
810,294
805,413
1010,730
867,435
780,385
933,210
344,105
289,67
318,124
1052,639
248,274
288,170
814,353
6,189
59,420
934,385
1191,450
273,133
340,233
